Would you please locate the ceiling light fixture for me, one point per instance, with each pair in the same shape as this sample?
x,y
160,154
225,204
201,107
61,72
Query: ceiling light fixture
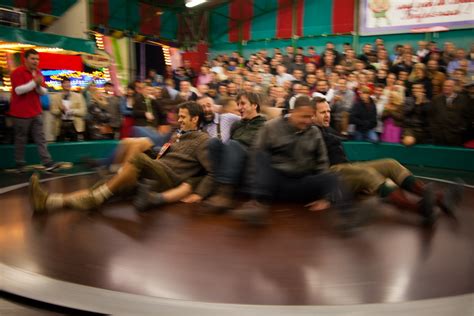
x,y
193,3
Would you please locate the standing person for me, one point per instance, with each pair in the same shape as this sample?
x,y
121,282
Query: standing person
x,y
25,108
98,123
126,110
189,71
154,78
364,117
341,105
450,115
69,109
415,117
392,117
113,108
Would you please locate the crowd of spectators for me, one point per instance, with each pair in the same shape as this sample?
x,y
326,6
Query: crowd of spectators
x,y
410,96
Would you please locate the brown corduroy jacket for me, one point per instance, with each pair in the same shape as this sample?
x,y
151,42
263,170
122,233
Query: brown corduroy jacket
x,y
189,158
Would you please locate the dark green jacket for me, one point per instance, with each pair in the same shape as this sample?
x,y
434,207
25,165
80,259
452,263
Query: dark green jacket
x,y
245,131
294,152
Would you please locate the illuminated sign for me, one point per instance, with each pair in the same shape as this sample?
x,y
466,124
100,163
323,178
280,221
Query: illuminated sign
x,y
99,60
78,79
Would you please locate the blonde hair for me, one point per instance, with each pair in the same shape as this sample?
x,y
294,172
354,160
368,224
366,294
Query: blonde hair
x,y
396,97
413,77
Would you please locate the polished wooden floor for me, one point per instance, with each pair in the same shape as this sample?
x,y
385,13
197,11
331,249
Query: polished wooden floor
x,y
298,259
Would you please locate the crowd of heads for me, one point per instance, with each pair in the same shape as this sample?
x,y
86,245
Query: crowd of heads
x,y
376,74
342,78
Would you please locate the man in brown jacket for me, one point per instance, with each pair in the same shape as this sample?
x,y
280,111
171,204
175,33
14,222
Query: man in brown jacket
x,y
183,158
437,77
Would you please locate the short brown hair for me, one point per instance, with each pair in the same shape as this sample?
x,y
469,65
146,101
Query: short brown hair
x,y
252,97
194,109
302,101
31,51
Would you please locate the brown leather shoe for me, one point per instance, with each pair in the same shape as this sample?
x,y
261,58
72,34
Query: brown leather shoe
x,y
222,200
37,195
253,213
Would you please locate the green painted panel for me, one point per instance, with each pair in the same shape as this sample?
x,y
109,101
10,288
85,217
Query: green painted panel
x,y
223,48
169,25
317,17
61,6
124,15
68,151
264,22
11,34
461,38
457,158
219,25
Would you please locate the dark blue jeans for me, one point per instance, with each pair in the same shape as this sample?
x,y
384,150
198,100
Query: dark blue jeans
x,y
227,160
370,136
157,138
270,184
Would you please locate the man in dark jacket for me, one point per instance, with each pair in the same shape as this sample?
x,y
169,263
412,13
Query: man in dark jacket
x,y
369,177
292,165
186,156
364,117
113,108
229,160
415,117
450,116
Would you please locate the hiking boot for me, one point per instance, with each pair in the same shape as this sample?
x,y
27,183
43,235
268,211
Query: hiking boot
x,y
222,200
37,195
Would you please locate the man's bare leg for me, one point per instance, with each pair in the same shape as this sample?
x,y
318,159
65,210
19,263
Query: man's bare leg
x,y
128,147
83,199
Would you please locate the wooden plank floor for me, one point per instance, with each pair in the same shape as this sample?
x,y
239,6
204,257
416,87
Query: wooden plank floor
x,y
298,259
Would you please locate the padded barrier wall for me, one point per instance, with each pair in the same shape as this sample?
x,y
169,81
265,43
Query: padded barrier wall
x,y
67,151
456,158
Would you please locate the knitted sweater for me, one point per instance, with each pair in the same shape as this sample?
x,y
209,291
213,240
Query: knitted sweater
x,y
189,157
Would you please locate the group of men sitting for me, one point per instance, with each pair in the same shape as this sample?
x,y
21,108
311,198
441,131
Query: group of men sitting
x,y
214,155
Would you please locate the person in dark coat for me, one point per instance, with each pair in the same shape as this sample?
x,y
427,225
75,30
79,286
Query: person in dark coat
x,y
450,116
415,117
364,117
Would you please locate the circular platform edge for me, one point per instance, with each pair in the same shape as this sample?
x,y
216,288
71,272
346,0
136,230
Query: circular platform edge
x,y
41,288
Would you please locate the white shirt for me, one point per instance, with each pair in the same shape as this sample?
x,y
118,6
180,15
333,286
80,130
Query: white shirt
x,y
226,121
